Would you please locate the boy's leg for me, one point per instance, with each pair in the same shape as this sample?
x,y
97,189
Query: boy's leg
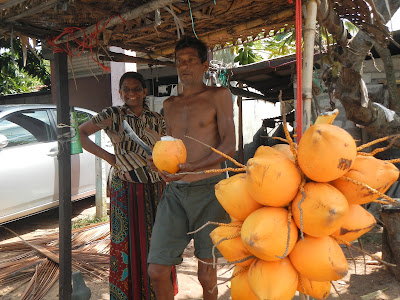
x,y
161,278
168,240
208,279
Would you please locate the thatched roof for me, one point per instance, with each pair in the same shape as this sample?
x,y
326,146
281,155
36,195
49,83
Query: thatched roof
x,y
151,26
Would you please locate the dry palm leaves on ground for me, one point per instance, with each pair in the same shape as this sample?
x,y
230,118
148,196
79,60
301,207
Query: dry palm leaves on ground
x,y
34,262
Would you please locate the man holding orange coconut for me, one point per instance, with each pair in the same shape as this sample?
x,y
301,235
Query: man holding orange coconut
x,y
206,114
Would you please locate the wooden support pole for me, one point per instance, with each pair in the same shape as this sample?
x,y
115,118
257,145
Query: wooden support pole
x,y
240,125
101,178
64,173
308,60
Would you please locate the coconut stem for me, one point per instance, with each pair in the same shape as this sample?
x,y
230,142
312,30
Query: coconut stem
x,y
303,193
359,148
214,171
394,161
365,263
338,239
374,191
301,283
378,150
214,223
280,139
220,241
240,271
287,135
337,292
227,263
219,152
288,235
352,258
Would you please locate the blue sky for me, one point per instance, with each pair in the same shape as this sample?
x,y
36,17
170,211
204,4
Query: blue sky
x,y
395,22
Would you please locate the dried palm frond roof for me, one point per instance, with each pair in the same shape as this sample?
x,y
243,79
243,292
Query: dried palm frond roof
x,y
153,26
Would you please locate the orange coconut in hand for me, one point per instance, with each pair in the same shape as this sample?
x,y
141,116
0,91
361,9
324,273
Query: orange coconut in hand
x,y
168,153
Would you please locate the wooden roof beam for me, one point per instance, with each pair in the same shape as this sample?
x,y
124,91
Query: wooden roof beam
x,y
130,15
267,21
33,10
120,57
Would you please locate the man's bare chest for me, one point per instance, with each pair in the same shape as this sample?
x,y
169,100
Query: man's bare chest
x,y
197,116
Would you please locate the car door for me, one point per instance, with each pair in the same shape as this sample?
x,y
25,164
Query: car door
x,y
83,165
28,164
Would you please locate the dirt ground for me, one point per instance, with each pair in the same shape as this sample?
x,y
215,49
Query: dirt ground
x,y
377,283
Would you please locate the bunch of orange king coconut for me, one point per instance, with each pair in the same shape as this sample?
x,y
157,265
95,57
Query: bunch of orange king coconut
x,y
291,210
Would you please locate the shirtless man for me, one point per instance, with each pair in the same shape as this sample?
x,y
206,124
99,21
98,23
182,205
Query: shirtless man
x,y
205,113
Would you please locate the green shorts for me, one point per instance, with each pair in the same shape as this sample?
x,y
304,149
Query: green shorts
x,y
185,207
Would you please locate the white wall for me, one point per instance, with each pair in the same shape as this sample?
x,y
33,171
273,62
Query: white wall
x,y
117,70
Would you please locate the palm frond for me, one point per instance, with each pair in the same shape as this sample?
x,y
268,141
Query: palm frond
x,y
37,259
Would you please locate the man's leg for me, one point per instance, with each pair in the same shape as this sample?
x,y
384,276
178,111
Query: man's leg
x,y
208,279
160,276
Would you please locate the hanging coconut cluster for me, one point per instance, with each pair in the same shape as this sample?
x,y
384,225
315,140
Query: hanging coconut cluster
x,y
291,210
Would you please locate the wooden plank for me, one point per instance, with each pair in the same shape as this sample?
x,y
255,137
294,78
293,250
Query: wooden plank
x,y
64,173
130,15
8,4
120,57
264,22
34,10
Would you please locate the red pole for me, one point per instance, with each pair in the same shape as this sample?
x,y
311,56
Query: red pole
x,y
299,106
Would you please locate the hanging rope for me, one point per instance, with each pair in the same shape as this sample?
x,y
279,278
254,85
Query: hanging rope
x,y
299,108
89,41
191,17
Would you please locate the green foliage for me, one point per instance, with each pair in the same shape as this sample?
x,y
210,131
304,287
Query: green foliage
x,y
247,54
15,77
282,43
87,221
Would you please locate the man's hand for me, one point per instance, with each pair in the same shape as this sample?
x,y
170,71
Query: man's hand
x,y
150,163
167,177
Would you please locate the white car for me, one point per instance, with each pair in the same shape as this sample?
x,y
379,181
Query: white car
x,y
29,164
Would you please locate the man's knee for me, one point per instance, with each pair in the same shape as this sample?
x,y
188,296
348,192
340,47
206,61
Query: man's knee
x,y
207,276
159,272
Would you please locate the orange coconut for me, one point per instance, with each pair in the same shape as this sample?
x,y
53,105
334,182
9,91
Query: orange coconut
x,y
265,233
273,280
319,258
357,222
375,173
315,289
326,152
168,154
234,198
272,178
232,249
322,209
240,287
284,149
